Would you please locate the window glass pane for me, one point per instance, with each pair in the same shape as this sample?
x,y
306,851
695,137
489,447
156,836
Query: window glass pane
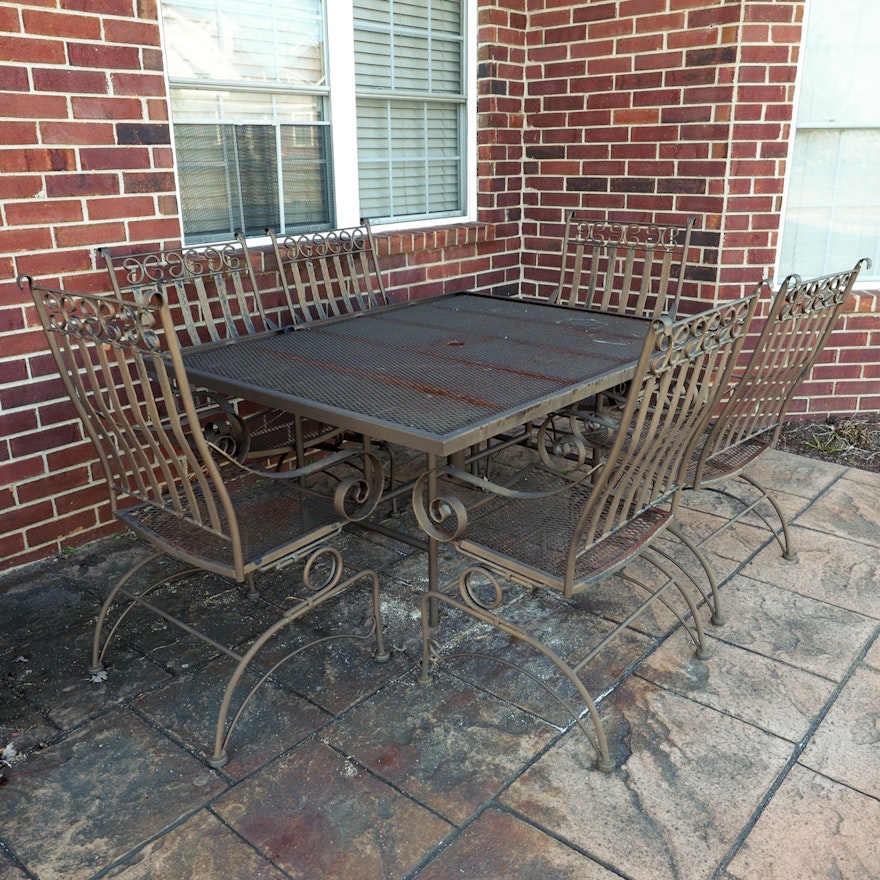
x,y
229,179
832,219
834,183
273,41
223,174
203,105
410,166
306,178
209,196
410,141
843,41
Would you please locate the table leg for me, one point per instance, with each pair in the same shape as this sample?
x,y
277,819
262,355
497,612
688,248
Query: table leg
x,y
433,563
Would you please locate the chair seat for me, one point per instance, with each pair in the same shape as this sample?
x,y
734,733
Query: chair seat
x,y
275,519
528,540
730,462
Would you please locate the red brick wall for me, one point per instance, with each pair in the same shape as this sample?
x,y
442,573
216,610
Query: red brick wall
x,y
654,108
659,110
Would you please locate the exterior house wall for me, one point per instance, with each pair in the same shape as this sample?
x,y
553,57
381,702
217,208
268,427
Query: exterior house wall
x,y
652,108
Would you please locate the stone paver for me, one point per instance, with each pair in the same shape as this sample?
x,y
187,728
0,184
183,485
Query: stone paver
x,y
813,828
758,763
318,814
846,747
670,811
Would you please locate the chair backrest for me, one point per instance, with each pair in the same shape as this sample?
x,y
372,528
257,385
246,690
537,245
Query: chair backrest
x,y
122,367
325,274
617,266
802,315
683,367
211,291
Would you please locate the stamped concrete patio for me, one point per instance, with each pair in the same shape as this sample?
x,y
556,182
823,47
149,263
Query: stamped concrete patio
x,y
761,763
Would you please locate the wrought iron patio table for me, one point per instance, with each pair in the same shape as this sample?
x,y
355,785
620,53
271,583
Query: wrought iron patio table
x,y
438,375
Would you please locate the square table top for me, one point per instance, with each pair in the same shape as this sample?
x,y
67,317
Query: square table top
x,y
436,375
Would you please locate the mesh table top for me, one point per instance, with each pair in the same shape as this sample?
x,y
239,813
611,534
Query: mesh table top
x,y
437,375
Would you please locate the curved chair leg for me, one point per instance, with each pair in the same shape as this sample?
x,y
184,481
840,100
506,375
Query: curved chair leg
x,y
100,643
697,635
714,603
784,540
788,551
598,740
225,726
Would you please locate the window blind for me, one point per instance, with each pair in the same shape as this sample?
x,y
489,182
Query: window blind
x,y
410,107
252,142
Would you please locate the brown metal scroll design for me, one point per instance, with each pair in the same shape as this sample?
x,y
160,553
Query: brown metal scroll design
x,y
322,580
105,319
807,296
444,516
481,604
324,244
182,264
357,495
629,235
704,332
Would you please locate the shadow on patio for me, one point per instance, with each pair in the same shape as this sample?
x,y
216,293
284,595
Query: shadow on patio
x,y
762,762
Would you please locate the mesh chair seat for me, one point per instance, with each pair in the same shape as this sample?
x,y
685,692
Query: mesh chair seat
x,y
275,520
530,539
729,462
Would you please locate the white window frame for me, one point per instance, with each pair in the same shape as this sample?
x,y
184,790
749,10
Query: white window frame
x,y
342,119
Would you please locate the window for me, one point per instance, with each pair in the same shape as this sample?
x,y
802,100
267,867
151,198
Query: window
x,y
260,94
832,214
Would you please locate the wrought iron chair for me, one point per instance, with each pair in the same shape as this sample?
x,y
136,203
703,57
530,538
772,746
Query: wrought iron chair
x,y
327,274
331,274
123,368
617,266
802,315
213,294
547,531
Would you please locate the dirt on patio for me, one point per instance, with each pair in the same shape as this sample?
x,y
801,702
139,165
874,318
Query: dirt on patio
x,y
851,441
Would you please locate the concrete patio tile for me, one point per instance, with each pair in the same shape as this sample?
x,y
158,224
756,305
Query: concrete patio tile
x,y
274,721
730,547
846,746
691,780
813,828
202,847
39,601
98,794
716,502
213,605
446,744
831,569
794,474
872,658
849,508
564,626
22,724
10,871
53,675
500,846
798,630
317,814
771,695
